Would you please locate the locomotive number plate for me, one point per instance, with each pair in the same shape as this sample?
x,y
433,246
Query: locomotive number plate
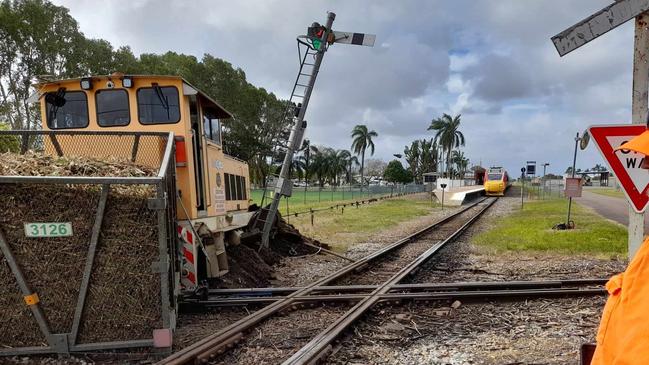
x,y
48,229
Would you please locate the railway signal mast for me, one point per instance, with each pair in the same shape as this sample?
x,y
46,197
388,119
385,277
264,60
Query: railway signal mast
x,y
316,42
596,25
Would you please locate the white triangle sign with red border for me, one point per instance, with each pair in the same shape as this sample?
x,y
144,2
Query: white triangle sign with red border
x,y
624,164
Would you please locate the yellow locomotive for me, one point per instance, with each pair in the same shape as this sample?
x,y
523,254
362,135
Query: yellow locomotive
x,y
214,188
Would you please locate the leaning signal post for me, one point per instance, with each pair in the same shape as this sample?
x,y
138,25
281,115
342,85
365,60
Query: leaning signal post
x,y
317,42
596,25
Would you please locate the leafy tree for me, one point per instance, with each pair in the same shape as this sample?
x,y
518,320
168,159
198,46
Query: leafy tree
x,y
375,168
36,38
422,157
362,139
8,143
396,173
447,135
351,162
461,162
429,158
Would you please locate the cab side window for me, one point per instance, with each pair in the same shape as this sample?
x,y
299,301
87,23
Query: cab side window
x,y
212,128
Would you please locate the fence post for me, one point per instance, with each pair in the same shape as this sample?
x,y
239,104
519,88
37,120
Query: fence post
x,y
311,209
288,214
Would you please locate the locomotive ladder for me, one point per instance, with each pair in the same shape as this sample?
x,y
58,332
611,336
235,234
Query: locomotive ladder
x,y
295,110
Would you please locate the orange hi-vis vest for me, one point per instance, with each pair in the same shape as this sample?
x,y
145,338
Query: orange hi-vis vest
x,y
623,336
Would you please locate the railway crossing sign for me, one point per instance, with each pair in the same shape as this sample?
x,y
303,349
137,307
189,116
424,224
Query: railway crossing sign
x,y
609,18
624,163
597,24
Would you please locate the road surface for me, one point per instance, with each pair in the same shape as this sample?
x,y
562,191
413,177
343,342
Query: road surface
x,y
615,209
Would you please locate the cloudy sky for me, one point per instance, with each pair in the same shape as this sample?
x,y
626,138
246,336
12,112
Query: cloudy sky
x,y
491,61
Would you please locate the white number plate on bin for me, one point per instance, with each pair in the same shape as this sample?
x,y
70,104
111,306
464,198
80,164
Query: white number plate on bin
x,y
48,229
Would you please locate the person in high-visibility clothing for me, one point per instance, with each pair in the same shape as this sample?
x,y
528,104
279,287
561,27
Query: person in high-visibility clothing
x,y
623,335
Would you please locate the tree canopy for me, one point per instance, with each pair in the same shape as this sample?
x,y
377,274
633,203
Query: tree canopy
x,y
395,173
39,40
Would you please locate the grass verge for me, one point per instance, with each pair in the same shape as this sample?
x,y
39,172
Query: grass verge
x,y
531,229
608,192
353,226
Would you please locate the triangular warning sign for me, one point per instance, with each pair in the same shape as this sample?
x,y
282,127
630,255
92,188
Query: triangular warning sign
x,y
624,164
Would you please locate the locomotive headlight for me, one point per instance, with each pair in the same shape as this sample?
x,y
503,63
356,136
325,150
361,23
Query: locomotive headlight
x,y
127,81
86,83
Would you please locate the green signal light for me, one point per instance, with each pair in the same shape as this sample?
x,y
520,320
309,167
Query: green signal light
x,y
317,44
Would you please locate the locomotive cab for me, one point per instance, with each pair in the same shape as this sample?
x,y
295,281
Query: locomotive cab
x,y
213,187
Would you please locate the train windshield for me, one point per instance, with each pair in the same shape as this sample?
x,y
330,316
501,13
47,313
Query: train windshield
x,y
495,177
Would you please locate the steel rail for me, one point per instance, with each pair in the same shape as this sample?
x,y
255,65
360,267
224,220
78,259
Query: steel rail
x,y
412,287
217,342
351,293
320,345
414,296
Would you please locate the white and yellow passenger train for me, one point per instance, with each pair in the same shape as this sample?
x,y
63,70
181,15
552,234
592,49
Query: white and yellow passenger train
x,y
496,181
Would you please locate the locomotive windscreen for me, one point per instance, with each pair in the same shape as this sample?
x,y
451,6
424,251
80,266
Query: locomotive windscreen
x,y
494,177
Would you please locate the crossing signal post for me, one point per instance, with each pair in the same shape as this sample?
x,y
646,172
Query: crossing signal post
x,y
599,23
317,41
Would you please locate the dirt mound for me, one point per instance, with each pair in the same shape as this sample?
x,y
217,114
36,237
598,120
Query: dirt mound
x,y
251,266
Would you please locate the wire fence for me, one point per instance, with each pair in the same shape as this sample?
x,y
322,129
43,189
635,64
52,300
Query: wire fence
x,y
315,199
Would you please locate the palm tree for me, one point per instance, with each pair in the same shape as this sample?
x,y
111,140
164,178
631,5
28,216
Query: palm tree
x,y
413,156
321,165
447,135
362,140
351,161
339,162
305,160
460,162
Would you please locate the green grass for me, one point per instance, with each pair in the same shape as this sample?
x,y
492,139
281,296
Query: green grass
x,y
608,192
531,229
354,225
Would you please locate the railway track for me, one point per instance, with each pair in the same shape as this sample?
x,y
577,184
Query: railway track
x,y
373,280
406,292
